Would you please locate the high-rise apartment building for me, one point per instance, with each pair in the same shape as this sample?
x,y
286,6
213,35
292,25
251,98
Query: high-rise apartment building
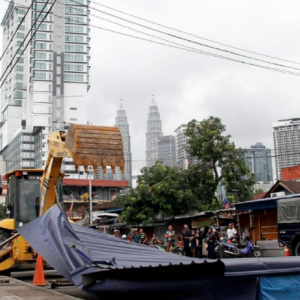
x,y
286,139
47,89
122,124
154,133
167,150
183,159
259,161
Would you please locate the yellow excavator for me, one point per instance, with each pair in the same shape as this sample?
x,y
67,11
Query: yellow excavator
x,y
31,192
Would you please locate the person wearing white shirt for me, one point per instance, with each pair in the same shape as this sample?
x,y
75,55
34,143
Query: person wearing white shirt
x,y
231,232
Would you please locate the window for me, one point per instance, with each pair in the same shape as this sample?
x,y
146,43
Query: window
x,y
68,67
69,47
40,75
78,29
78,68
20,35
19,43
41,46
18,85
78,77
21,60
69,57
74,10
73,119
73,108
18,94
18,76
72,19
43,27
78,48
75,2
19,68
22,11
40,66
41,36
68,77
78,38
40,55
78,57
19,19
22,27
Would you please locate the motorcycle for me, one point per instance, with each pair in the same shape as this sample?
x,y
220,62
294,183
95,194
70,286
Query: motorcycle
x,y
229,250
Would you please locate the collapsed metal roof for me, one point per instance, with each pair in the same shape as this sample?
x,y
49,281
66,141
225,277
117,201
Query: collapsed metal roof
x,y
103,265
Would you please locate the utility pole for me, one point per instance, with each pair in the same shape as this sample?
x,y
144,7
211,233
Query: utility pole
x,y
90,170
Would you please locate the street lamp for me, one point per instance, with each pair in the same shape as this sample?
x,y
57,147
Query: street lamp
x,y
90,170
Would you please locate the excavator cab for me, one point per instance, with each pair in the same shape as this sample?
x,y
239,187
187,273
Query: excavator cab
x,y
22,200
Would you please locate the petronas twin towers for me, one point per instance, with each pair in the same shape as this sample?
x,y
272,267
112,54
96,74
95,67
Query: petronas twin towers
x,y
154,133
157,146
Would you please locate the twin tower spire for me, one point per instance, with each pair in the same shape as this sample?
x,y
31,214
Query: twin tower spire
x,y
154,132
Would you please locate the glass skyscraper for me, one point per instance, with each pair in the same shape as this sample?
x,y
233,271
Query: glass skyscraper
x,y
167,150
286,139
154,133
259,161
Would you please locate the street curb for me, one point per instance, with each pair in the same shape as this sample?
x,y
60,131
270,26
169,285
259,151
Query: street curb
x,y
11,280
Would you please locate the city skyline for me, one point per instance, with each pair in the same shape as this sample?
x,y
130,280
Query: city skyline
x,y
188,85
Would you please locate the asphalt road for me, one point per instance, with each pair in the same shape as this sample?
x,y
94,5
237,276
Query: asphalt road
x,y
52,275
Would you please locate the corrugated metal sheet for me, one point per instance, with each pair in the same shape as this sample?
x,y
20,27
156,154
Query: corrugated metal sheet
x,y
261,203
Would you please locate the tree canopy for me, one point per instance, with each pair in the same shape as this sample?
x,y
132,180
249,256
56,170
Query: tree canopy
x,y
161,190
218,162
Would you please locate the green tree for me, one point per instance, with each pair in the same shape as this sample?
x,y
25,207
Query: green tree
x,y
160,190
218,162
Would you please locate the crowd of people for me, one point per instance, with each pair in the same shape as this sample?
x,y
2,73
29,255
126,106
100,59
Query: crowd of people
x,y
190,241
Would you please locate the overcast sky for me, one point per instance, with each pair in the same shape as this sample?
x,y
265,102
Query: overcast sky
x,y
188,85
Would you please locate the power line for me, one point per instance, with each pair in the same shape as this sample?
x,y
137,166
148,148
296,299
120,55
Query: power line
x,y
190,34
194,42
186,48
46,14
16,29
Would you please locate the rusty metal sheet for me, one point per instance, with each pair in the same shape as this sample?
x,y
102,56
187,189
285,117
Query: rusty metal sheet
x,y
95,146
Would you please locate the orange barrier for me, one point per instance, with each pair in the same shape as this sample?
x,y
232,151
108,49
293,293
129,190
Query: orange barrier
x,y
286,251
39,276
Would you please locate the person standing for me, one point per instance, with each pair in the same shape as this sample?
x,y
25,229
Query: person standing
x,y
136,237
193,242
198,239
155,240
143,235
185,236
170,237
211,243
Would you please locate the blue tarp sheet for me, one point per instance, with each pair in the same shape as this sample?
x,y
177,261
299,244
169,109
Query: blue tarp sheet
x,y
279,287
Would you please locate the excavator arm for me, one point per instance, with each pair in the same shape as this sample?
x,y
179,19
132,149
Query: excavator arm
x,y
87,145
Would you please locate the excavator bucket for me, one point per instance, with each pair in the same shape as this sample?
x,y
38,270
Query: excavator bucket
x,y
95,146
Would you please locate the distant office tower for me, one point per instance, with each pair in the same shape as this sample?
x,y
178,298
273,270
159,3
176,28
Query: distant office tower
x,y
286,138
167,150
122,124
47,88
154,133
259,161
183,159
